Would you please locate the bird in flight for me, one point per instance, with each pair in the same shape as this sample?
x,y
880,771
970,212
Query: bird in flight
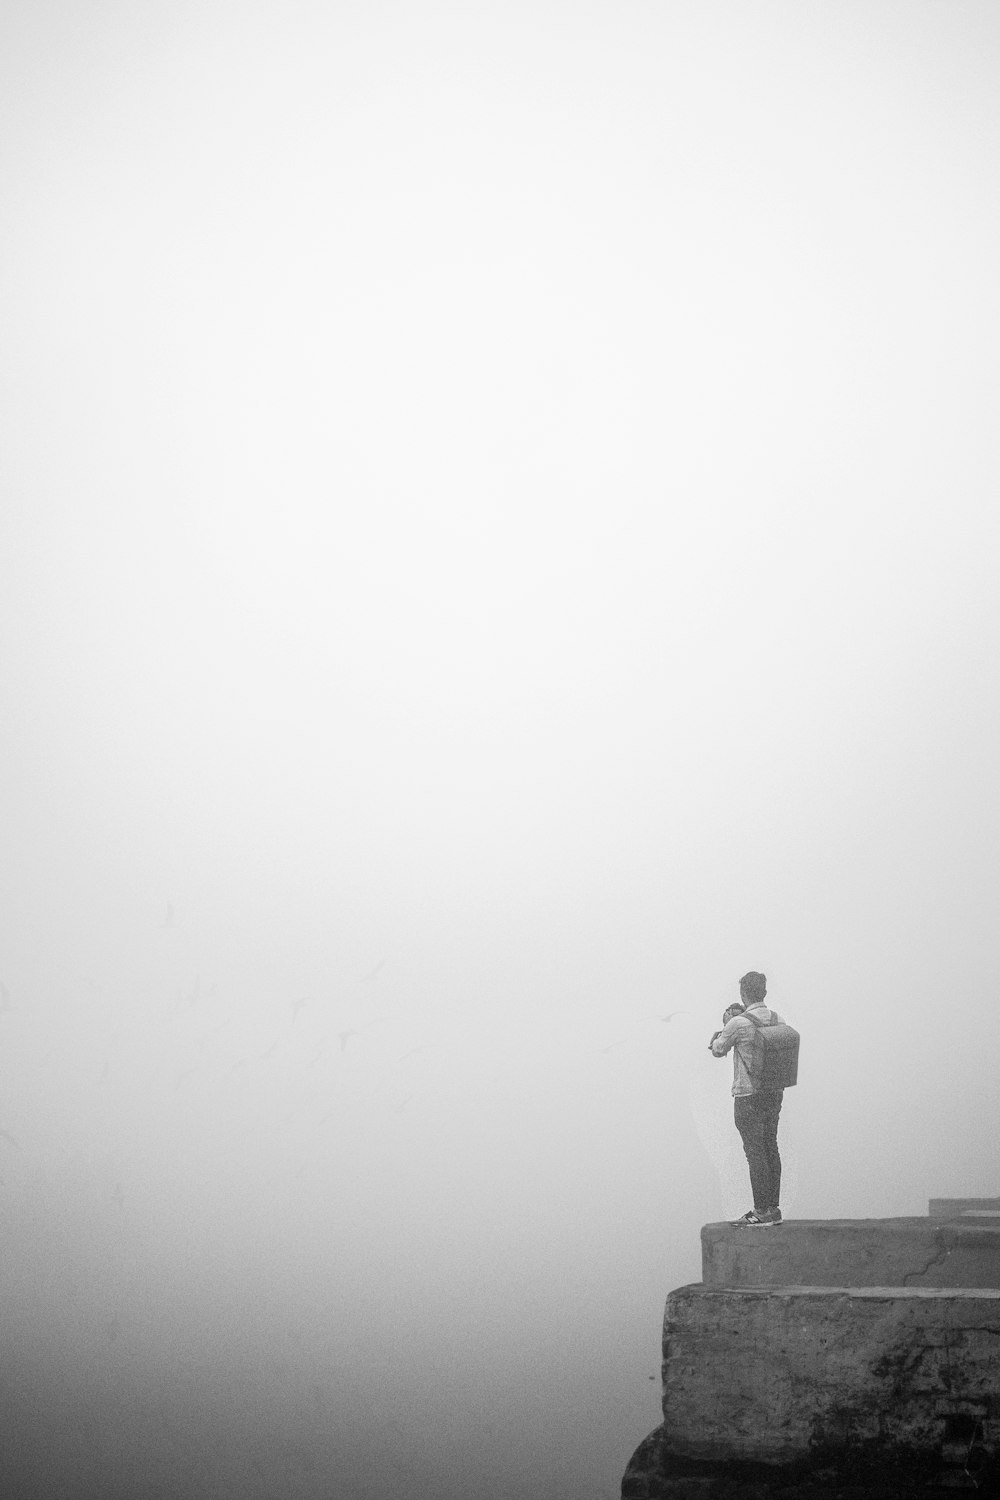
x,y
673,1013
374,973
168,920
345,1036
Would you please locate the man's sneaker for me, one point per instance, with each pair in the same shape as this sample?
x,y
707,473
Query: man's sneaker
x,y
775,1214
755,1220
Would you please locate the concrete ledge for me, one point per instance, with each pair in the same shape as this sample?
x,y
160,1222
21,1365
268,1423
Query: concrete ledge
x,y
922,1252
954,1208
773,1374
654,1473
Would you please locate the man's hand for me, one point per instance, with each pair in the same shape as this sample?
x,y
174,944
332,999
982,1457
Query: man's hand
x,y
712,1042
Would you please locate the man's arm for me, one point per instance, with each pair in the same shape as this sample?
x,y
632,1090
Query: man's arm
x,y
723,1041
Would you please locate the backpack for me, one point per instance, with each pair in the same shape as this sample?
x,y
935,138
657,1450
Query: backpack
x,y
775,1056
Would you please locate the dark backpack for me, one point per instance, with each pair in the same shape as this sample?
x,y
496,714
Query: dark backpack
x,y
775,1056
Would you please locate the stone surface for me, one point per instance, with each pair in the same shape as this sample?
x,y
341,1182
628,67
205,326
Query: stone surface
x,y
777,1374
919,1252
655,1473
952,1208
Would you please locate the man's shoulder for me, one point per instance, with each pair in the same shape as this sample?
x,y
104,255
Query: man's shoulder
x,y
767,1016
739,1023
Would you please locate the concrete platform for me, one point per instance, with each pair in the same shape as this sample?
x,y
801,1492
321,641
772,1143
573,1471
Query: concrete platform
x,y
655,1473
919,1252
778,1374
960,1208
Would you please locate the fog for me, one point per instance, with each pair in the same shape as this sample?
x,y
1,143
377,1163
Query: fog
x,y
499,538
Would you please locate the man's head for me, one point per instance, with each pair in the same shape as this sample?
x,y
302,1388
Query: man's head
x,y
753,988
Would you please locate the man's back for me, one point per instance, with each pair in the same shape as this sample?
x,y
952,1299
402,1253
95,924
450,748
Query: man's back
x,y
740,1035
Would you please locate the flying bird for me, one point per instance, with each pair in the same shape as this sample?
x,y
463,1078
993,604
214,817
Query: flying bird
x,y
168,920
374,973
673,1013
345,1036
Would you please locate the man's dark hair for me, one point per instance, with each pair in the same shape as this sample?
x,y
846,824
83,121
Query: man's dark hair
x,y
753,987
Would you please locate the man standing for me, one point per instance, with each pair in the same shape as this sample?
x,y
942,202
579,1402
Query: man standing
x,y
755,1111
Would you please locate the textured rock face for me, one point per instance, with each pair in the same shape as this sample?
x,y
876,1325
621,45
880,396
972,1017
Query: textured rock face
x,y
773,1374
855,1253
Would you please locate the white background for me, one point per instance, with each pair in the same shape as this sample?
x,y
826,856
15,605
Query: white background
x,y
497,538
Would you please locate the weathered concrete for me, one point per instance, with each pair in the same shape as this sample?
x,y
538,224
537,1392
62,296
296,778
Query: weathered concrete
x,y
920,1252
655,1473
954,1208
775,1374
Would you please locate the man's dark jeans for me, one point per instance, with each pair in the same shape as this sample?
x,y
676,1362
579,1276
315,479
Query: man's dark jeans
x,y
756,1118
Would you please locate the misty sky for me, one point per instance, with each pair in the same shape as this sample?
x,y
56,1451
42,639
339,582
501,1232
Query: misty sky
x,y
498,537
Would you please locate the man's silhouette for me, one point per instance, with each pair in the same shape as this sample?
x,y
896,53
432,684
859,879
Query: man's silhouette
x,y
755,1112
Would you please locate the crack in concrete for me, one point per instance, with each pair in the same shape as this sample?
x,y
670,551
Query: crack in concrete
x,y
935,1260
